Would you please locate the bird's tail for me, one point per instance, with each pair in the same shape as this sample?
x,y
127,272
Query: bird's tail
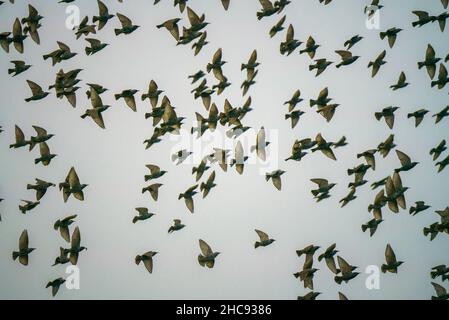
x,y
383,268
338,279
209,67
117,31
88,51
420,65
412,210
311,67
433,83
15,255
138,259
378,115
22,208
382,35
350,172
288,116
259,15
257,244
117,96
296,275
415,23
10,71
426,231
29,187
159,26
95,19
364,227
46,56
135,219
32,145
84,116
315,192
312,102
434,274
243,67
201,261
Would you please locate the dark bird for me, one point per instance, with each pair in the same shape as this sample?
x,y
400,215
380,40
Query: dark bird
x,y
208,185
197,76
290,44
32,23
264,239
311,48
395,193
430,61
376,64
42,136
352,41
28,206
350,197
436,152
153,190
328,257
295,99
440,291
311,295
275,177
328,111
323,190
406,162
62,258
385,147
443,79
346,58
61,54
19,67
324,146
268,9
127,25
177,225
45,155
156,172
251,65
379,203
18,36
72,185
63,226
5,40
418,115
278,27
103,15
441,115
172,26
147,259
369,157
143,215
40,187
423,18
188,197
216,64
55,284
128,95
200,169
440,271
97,109
401,82
95,46
37,92
75,247
347,271
320,66
24,249
294,117
198,46
372,226
392,264
442,164
207,258
20,139
180,156
420,206
84,28
322,99
391,34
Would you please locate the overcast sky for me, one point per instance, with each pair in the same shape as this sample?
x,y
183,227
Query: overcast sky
x,y
112,161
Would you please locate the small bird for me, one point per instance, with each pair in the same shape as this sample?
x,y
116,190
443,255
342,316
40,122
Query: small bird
x,y
62,258
172,26
320,66
75,247
328,111
420,206
147,259
440,291
290,44
278,27
42,136
45,155
176,226
439,271
441,115
40,187
196,76
206,187
207,258
143,215
379,203
275,177
180,156
20,139
251,66
443,78
372,226
24,249
95,46
391,34
61,54
97,108
324,146
442,164
369,157
37,92
352,41
127,25
392,264
216,64
264,239
55,284
350,197
430,61
19,67
200,43
188,197
18,36
385,147
311,48
437,151
311,295
261,144
200,169
63,226
32,23
395,193
84,28
294,116
128,95
153,190
401,82
346,57
103,15
156,172
322,99
346,269
376,64
406,162
293,102
72,185
418,115
5,40
328,257
268,9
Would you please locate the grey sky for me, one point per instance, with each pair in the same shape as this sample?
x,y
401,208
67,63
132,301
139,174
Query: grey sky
x,y
112,161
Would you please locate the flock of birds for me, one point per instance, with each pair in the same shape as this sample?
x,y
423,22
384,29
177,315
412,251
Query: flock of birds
x,y
166,121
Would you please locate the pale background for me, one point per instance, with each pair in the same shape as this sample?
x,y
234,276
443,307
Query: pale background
x,y
112,161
